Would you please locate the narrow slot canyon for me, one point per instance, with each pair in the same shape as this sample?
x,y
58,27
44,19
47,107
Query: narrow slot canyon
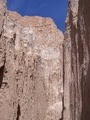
x,y
46,74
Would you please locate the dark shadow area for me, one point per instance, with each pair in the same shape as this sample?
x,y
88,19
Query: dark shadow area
x,y
84,11
1,75
86,97
83,88
18,112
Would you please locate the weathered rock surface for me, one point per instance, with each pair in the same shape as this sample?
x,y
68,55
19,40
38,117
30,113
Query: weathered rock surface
x,y
42,75
2,16
31,71
77,61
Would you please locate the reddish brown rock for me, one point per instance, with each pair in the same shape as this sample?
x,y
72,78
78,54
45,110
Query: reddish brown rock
x,y
77,61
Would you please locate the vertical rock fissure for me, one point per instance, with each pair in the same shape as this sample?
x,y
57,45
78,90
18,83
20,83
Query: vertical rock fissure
x,y
63,107
13,39
18,112
1,75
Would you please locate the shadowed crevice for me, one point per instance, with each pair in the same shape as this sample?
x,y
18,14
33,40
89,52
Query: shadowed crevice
x,y
1,75
18,112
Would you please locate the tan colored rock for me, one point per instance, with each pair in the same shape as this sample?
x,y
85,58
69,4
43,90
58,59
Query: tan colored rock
x,y
2,16
32,82
33,70
40,79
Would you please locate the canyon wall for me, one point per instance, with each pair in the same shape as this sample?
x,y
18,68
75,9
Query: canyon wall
x,y
44,75
31,68
2,16
77,61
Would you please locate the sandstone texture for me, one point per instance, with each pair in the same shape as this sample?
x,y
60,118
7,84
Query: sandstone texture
x,y
31,68
2,16
45,75
77,61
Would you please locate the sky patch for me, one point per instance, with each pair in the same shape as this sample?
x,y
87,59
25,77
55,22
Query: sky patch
x,y
56,9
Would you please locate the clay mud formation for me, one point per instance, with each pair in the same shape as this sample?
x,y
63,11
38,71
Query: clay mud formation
x,y
45,74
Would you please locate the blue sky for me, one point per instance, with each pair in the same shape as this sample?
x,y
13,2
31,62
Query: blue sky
x,y
56,9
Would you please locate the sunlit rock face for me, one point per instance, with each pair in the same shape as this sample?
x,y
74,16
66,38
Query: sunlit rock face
x,y
2,16
31,72
44,75
77,61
